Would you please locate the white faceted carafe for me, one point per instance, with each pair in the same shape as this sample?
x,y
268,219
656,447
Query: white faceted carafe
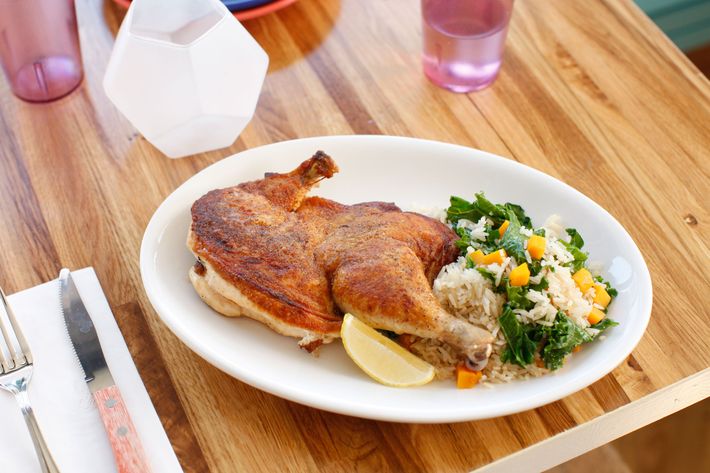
x,y
186,74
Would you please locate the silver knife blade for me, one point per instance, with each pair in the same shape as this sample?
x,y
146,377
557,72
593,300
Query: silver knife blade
x,y
83,335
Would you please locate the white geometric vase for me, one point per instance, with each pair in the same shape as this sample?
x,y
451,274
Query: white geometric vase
x,y
186,74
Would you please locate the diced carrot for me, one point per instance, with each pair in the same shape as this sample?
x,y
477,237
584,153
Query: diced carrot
x,y
495,257
539,363
503,228
595,316
584,280
466,378
477,257
601,297
520,276
536,246
576,349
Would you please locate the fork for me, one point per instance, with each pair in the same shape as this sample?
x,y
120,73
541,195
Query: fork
x,y
15,375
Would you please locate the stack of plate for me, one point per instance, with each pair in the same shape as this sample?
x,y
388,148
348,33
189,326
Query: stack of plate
x,y
242,9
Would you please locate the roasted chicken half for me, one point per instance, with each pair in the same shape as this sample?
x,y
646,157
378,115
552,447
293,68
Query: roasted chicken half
x,y
297,263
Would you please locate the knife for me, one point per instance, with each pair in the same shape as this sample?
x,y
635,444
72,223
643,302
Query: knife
x,y
126,446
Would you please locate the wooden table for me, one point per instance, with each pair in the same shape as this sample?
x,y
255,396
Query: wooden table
x,y
590,92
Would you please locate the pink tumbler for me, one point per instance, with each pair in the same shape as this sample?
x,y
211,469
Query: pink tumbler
x,y
463,41
39,48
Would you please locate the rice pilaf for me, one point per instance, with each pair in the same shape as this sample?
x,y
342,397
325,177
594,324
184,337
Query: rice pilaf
x,y
481,291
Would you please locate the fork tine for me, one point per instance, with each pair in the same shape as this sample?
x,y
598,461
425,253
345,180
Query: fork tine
x,y
6,364
25,355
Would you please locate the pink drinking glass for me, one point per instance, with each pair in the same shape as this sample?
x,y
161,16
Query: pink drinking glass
x,y
463,41
39,48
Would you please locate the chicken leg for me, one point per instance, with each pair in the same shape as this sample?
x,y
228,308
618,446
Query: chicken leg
x,y
383,284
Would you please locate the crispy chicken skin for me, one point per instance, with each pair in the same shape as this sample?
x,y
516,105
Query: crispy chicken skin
x,y
297,263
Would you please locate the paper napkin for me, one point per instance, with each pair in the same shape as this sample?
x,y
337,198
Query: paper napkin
x,y
61,400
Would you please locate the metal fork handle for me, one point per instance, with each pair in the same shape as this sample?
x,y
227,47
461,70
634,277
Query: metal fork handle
x,y
44,456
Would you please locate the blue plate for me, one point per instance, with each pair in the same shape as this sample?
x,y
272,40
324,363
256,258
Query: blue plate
x,y
238,5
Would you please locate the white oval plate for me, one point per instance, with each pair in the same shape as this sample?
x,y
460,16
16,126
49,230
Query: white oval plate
x,y
404,171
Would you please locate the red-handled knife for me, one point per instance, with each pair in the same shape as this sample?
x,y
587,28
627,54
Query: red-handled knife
x,y
127,449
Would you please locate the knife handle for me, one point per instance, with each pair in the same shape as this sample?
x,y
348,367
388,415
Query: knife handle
x,y
126,446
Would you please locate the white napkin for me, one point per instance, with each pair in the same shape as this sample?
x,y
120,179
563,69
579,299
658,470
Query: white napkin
x,y
61,400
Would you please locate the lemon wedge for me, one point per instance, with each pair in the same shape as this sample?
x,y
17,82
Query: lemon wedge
x,y
382,359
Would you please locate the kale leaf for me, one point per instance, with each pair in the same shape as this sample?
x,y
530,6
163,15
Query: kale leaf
x,y
575,238
487,274
543,284
464,240
519,213
580,257
489,209
561,339
513,242
516,298
574,246
604,324
520,349
461,208
557,341
487,246
481,207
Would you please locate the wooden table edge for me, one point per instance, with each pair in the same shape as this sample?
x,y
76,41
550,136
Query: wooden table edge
x,y
605,428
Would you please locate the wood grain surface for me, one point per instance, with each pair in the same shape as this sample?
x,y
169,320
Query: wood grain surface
x,y
590,92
